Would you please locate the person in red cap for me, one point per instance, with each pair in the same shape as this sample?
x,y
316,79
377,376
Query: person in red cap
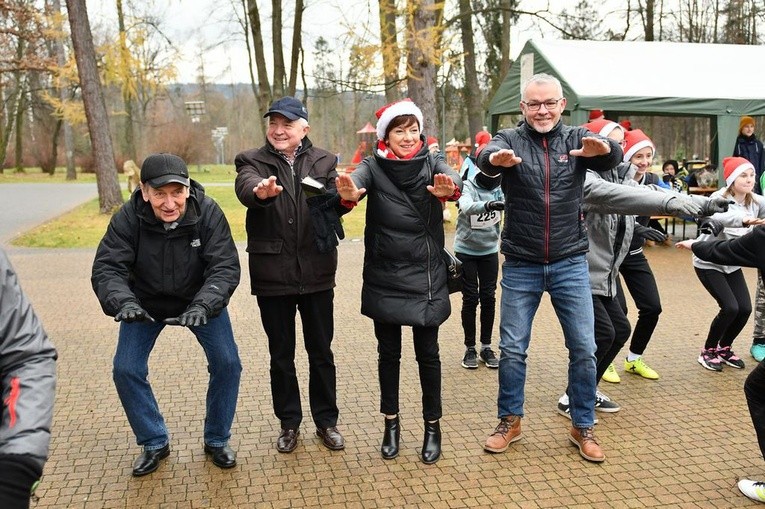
x,y
726,283
596,115
404,273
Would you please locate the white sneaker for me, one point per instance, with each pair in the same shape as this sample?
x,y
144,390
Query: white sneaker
x,y
752,489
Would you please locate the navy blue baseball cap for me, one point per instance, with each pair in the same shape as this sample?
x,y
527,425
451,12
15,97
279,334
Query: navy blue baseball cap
x,y
289,107
158,170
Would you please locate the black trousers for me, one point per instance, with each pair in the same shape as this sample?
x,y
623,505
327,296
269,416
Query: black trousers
x,y
754,389
278,317
612,330
479,285
732,295
640,282
389,368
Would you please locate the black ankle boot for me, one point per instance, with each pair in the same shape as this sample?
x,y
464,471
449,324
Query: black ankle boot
x,y
431,444
391,436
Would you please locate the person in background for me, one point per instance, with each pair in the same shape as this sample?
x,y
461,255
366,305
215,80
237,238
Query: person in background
x,y
596,115
747,251
476,245
750,148
404,273
726,283
292,249
672,176
626,124
635,270
168,257
27,392
433,146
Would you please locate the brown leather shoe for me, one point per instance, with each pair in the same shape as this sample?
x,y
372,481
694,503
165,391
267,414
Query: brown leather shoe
x,y
331,438
507,431
584,439
287,440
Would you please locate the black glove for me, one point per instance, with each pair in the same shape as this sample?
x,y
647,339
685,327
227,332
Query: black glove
x,y
710,226
326,222
494,205
715,205
194,316
132,312
647,233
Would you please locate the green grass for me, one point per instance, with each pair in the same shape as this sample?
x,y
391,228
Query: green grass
x,y
205,173
83,227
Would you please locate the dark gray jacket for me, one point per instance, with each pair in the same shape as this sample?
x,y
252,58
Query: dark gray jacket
x,y
27,373
544,218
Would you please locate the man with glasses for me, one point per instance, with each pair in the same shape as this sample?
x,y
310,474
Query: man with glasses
x,y
544,240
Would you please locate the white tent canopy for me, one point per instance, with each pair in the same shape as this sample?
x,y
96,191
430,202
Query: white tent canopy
x,y
718,81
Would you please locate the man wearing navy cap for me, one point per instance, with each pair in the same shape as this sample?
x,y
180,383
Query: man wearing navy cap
x,y
168,258
291,244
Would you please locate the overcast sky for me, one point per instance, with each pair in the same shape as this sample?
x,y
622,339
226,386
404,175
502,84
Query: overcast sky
x,y
208,27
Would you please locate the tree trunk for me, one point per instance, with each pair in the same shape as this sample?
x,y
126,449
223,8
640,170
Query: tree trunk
x,y
19,139
109,194
297,42
421,64
276,28
389,48
259,134
60,55
504,68
127,98
472,90
264,95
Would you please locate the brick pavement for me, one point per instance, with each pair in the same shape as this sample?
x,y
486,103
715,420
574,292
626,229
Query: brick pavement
x,y
679,442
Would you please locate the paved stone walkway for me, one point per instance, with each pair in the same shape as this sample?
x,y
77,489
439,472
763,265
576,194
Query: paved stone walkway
x,y
680,442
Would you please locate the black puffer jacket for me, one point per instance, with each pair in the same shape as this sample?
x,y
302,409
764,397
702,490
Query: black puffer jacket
x,y
281,240
167,270
750,148
544,221
404,273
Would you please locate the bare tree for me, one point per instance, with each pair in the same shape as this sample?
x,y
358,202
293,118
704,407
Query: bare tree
x,y
472,89
389,48
109,195
422,58
63,95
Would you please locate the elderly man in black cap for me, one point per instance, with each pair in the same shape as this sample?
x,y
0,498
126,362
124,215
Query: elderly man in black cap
x,y
291,242
168,258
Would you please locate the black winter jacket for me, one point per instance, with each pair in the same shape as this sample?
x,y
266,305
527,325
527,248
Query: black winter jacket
x,y
404,273
165,271
281,241
750,148
544,220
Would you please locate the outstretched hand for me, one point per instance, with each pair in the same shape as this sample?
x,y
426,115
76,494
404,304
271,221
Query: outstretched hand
x,y
685,244
443,186
504,157
347,189
267,188
592,147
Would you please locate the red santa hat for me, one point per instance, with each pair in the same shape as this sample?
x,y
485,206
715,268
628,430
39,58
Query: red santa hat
x,y
636,140
482,138
596,114
393,110
602,126
733,167
626,124
432,140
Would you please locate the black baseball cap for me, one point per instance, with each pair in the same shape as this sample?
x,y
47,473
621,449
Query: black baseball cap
x,y
289,107
158,170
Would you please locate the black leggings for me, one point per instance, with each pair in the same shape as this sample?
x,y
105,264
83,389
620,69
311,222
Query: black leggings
x,y
640,282
612,330
389,367
754,389
732,295
479,284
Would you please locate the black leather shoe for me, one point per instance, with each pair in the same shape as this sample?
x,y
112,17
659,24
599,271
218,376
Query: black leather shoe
x,y
331,438
223,457
148,461
287,440
431,444
391,437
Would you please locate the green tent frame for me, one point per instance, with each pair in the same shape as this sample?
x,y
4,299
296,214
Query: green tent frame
x,y
720,82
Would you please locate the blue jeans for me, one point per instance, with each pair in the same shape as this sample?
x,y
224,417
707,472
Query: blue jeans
x,y
131,371
567,282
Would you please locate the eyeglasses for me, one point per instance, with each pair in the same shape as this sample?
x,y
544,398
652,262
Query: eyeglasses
x,y
534,106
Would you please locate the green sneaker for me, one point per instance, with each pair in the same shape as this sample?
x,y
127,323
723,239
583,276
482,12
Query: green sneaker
x,y
639,367
611,375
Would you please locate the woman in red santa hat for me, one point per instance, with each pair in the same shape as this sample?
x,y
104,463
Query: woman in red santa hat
x,y
726,283
404,274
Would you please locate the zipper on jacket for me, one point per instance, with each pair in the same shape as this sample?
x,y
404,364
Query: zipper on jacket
x,y
547,200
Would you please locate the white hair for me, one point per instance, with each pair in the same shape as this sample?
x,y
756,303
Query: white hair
x,y
542,78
